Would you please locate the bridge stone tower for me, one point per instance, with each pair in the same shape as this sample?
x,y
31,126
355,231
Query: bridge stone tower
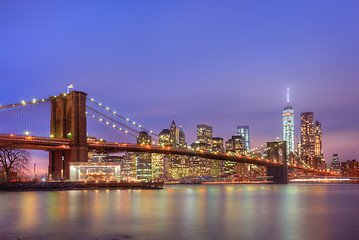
x,y
277,152
68,120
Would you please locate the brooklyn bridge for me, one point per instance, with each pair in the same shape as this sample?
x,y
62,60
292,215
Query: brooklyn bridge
x,y
66,138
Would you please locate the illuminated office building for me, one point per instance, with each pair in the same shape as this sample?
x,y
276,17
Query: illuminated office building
x,y
217,167
181,138
335,166
318,146
174,166
164,138
174,134
204,133
235,145
143,159
307,137
350,168
288,126
244,132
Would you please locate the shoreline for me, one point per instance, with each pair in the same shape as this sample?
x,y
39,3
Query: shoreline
x,y
66,186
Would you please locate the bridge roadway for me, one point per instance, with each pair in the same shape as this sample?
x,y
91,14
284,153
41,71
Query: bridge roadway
x,y
48,144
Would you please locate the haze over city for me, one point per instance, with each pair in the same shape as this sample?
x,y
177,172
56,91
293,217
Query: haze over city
x,y
224,64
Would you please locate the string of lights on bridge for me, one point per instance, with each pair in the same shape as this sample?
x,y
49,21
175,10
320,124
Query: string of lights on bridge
x,y
23,102
114,126
126,119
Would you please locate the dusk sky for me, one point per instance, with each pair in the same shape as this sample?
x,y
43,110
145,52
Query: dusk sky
x,y
224,63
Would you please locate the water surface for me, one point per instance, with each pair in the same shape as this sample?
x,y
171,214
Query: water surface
x,y
185,212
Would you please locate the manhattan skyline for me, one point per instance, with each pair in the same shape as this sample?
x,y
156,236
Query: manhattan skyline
x,y
229,67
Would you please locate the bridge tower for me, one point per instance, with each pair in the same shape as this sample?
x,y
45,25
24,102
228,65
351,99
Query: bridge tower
x,y
68,121
277,152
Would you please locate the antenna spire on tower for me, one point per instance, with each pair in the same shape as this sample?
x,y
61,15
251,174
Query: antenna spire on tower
x,y
288,96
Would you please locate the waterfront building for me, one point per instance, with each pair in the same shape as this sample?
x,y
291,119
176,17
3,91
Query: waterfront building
x,y
235,145
101,172
143,159
129,166
217,167
200,167
335,165
243,131
350,168
307,137
288,126
158,166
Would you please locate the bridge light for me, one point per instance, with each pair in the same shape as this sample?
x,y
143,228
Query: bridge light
x,y
43,100
150,131
34,100
107,122
127,119
114,125
139,125
100,119
114,112
27,133
23,102
100,104
85,112
107,108
69,134
126,131
133,123
92,99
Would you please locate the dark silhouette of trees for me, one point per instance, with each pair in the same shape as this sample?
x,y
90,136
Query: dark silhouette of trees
x,y
13,158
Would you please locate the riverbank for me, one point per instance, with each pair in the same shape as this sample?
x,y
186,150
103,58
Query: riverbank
x,y
63,186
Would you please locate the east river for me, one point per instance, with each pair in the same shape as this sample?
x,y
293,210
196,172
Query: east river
x,y
185,212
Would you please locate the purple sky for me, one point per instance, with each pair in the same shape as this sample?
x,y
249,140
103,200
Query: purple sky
x,y
224,63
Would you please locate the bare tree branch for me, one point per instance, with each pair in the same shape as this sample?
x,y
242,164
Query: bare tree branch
x,y
13,158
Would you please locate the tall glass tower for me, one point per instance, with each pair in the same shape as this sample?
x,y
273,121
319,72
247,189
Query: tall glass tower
x,y
288,126
244,132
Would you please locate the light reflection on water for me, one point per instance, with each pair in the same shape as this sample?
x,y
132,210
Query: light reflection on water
x,y
185,212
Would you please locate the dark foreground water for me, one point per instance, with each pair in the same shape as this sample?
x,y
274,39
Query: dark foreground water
x,y
185,212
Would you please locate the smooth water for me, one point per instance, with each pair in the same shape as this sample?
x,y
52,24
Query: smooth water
x,y
185,212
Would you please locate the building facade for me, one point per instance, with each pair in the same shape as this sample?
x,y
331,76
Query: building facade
x,y
143,159
288,128
243,131
307,137
335,165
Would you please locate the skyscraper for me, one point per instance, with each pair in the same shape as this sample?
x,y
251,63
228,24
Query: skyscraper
x,y
307,137
174,134
244,132
181,138
204,133
318,146
143,160
335,166
288,126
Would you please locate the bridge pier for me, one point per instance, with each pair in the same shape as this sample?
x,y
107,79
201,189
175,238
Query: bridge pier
x,y
68,120
279,174
277,152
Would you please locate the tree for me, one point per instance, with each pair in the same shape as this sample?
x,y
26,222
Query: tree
x,y
13,158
